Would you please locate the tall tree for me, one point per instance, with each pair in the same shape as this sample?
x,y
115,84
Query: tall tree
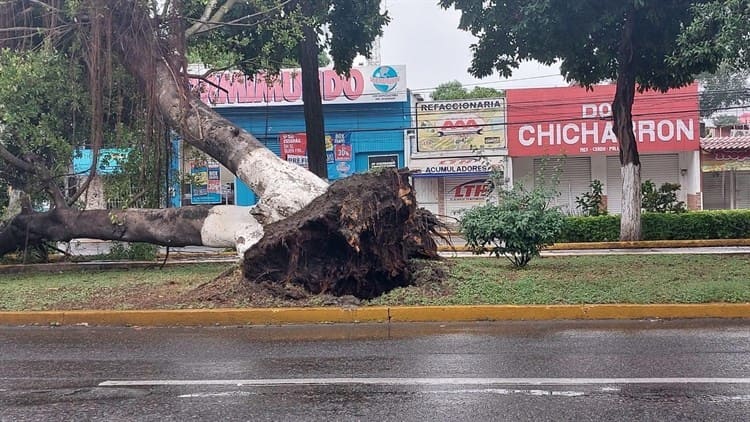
x,y
723,89
632,42
289,32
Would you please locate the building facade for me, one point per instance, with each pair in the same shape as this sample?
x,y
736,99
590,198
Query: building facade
x,y
565,135
365,114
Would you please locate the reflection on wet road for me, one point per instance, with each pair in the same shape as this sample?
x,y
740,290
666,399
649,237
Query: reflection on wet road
x,y
595,370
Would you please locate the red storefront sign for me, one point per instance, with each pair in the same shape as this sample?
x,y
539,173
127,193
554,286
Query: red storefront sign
x,y
573,121
293,144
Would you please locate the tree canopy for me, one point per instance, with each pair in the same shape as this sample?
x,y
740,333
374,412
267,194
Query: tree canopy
x,y
454,90
635,43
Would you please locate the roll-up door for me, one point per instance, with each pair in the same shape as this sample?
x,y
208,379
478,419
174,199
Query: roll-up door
x,y
659,168
742,189
715,190
426,191
574,179
464,192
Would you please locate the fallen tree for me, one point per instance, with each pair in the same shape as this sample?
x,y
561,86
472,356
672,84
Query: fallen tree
x,y
354,240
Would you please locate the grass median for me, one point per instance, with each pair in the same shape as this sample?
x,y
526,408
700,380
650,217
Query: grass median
x,y
640,279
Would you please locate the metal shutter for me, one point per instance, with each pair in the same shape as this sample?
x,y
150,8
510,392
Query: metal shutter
x,y
742,189
715,190
426,191
454,206
659,168
574,179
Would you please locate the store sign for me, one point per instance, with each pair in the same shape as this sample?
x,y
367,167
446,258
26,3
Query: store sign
x,y
573,121
109,160
205,186
471,190
382,161
725,161
368,84
453,166
463,125
339,153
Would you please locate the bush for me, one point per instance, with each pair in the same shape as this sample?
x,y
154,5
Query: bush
x,y
663,199
132,251
517,227
728,224
591,203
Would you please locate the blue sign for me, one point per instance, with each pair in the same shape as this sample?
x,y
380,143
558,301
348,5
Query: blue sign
x,y
109,162
339,155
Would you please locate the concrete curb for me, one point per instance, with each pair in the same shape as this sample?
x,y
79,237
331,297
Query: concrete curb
x,y
272,316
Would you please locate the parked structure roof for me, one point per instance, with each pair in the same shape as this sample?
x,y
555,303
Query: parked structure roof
x,y
726,143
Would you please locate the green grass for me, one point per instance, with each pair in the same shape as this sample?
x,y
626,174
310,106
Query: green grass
x,y
42,291
589,279
465,281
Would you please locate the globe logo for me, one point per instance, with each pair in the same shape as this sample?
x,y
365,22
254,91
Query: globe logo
x,y
385,79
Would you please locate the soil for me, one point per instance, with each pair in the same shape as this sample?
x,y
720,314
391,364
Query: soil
x,y
428,279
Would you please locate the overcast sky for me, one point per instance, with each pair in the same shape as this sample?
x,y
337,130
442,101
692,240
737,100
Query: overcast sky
x,y
426,39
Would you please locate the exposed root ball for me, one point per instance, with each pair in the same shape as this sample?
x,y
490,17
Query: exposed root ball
x,y
355,239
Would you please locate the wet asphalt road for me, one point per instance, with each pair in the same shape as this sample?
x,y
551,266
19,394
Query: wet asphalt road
x,y
606,370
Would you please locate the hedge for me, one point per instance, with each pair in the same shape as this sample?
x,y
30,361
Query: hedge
x,y
726,224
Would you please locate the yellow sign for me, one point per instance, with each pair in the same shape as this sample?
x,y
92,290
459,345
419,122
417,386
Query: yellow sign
x,y
461,125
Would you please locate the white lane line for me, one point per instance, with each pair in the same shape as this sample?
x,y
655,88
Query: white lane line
x,y
507,392
426,381
222,394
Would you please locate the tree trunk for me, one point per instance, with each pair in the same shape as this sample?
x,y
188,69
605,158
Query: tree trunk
x,y
186,226
622,112
94,196
312,101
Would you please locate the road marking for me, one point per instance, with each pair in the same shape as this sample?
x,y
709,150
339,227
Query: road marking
x,y
221,394
425,381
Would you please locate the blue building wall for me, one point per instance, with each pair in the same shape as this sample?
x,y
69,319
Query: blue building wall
x,y
375,128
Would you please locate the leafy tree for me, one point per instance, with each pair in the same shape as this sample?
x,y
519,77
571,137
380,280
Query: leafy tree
x,y
720,30
284,35
454,90
633,42
725,88
724,120
517,227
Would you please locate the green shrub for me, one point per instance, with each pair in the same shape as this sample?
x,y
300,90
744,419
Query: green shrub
x,y
517,227
591,203
132,251
727,224
663,199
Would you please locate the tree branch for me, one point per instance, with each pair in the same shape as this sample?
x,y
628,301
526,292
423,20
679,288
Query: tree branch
x,y
47,178
203,26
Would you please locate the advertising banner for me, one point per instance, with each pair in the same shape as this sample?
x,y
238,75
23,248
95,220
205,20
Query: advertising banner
x,y
382,161
367,84
109,161
467,189
205,186
725,161
461,125
574,121
294,148
339,154
456,166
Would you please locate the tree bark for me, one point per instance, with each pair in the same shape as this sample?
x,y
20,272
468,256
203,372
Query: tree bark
x,y
312,101
186,226
622,112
